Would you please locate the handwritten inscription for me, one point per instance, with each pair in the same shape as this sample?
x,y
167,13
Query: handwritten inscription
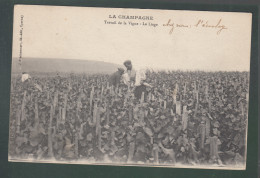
x,y
218,26
205,24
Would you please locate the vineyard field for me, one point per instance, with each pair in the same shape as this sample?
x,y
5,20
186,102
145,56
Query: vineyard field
x,y
186,118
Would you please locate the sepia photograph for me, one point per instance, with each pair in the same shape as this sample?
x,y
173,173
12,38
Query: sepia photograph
x,y
130,87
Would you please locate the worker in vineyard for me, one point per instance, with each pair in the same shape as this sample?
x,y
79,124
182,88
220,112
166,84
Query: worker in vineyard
x,y
135,79
26,78
129,75
28,83
141,84
115,78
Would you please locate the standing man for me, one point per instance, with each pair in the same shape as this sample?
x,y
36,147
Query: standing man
x,y
135,79
129,75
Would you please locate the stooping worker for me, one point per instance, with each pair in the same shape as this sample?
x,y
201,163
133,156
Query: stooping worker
x,y
115,78
25,77
26,80
135,79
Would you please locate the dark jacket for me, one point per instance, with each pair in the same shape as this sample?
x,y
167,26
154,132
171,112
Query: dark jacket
x,y
115,78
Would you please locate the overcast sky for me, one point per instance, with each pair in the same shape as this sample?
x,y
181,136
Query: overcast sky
x,y
81,33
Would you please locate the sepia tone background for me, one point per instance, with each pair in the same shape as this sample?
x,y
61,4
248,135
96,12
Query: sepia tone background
x,y
80,33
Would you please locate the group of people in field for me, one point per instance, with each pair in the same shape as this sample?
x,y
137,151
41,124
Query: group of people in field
x,y
136,80
131,78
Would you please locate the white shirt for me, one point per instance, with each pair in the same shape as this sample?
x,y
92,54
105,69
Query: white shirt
x,y
25,77
129,76
139,76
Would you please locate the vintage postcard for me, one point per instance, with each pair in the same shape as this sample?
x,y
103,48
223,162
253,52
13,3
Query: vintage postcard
x,y
130,87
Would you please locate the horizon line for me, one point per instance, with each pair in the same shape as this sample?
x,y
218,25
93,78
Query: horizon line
x,y
144,67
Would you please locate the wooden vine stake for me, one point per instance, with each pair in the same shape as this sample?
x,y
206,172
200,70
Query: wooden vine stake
x,y
177,88
113,136
149,96
141,115
64,110
172,114
209,104
197,96
153,98
120,91
91,99
107,116
131,151
202,131
95,113
101,94
184,118
207,127
130,113
50,148
113,145
214,143
142,98
36,111
23,106
112,90
174,94
55,100
247,97
185,88
97,120
156,153
99,136
207,92
48,95
107,85
31,97
18,121
178,108
79,104
59,119
242,109
164,104
76,144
